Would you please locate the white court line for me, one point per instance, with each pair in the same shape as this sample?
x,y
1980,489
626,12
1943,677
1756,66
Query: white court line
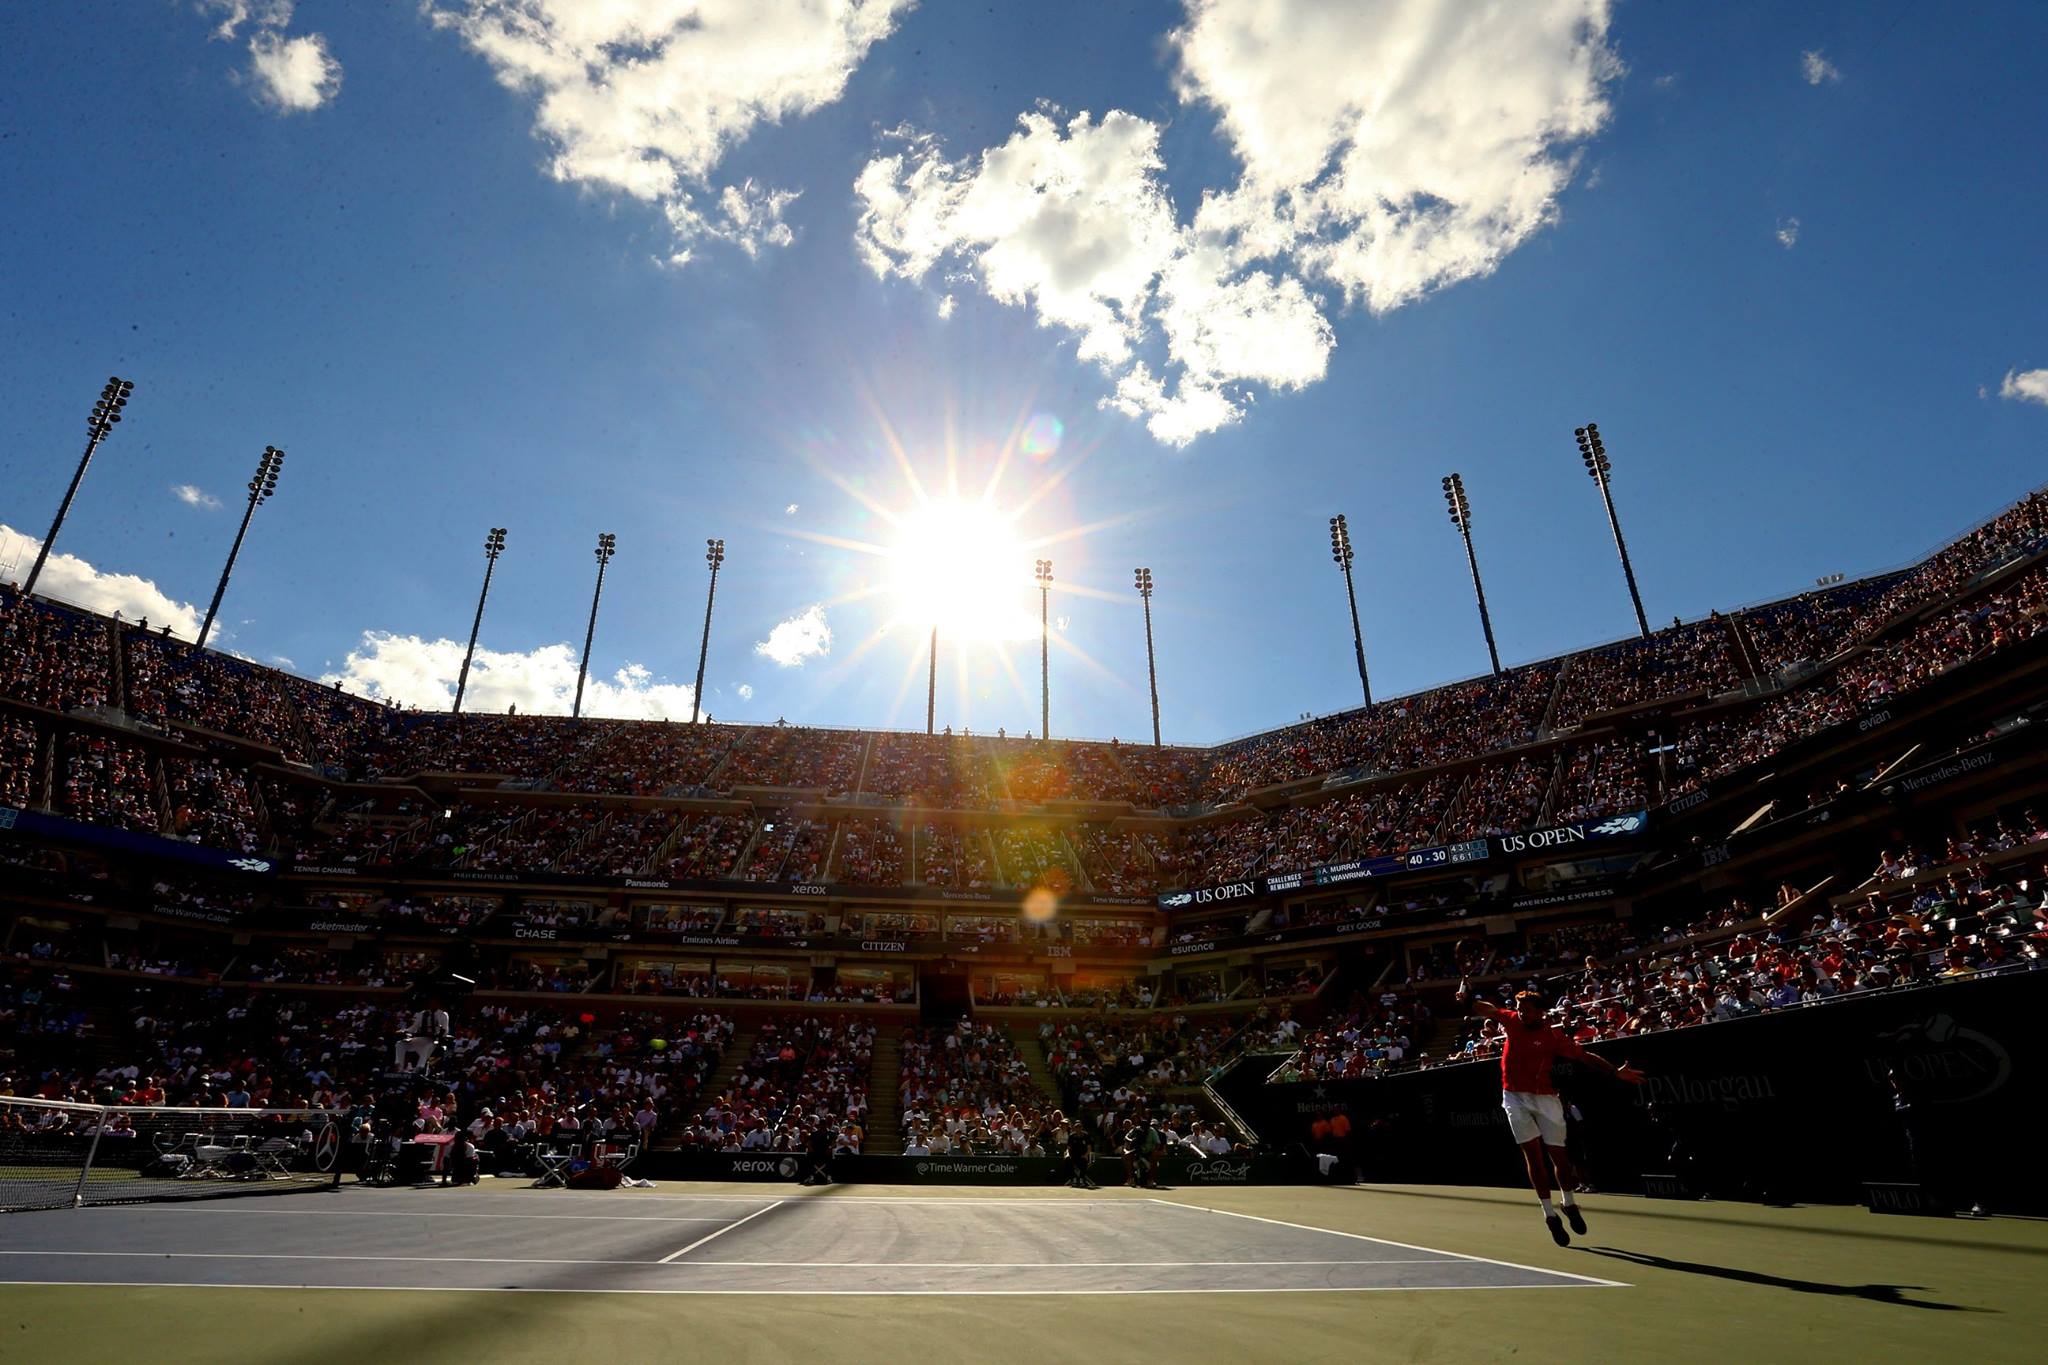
x,y
326,1256
436,1213
813,1293
675,1255
858,1201
1032,1265
1384,1241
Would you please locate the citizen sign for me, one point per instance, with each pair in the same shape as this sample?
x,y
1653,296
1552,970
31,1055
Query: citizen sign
x,y
878,945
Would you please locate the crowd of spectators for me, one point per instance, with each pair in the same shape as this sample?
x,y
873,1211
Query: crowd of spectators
x,y
1675,662
959,858
802,1075
516,1077
51,657
108,781
789,848
65,660
871,853
21,746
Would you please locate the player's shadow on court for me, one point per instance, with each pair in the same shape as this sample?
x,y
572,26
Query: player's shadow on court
x,y
1876,1293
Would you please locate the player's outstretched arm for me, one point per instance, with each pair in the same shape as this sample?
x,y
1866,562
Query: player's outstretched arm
x,y
1623,1072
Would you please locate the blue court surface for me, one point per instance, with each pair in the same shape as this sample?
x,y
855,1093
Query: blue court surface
x,y
791,1242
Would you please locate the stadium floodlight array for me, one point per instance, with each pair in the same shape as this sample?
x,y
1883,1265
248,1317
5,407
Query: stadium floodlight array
x,y
1142,579
1042,571
105,413
54,1154
714,555
607,545
494,545
260,488
1340,551
1461,517
1594,453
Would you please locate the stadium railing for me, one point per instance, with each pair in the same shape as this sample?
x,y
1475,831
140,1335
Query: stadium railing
x,y
57,1154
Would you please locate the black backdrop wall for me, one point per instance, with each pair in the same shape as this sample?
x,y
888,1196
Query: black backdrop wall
x,y
1795,1105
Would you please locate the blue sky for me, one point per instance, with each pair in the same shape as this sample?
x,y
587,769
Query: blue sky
x,y
1786,257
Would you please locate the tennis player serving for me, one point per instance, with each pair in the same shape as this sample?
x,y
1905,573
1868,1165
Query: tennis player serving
x,y
1535,1114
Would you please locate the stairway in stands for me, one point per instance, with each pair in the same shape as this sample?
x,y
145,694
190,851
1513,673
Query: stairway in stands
x,y
744,1036
1033,1053
885,1097
1443,1036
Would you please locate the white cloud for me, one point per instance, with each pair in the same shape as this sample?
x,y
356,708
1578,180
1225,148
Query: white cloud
x,y
68,578
194,496
1817,69
294,75
1434,150
803,636
2025,386
413,671
1788,233
234,13
646,97
745,691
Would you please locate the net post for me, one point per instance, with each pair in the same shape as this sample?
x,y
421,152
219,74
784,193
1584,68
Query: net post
x,y
85,1170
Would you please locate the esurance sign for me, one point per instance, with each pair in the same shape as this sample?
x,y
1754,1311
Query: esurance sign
x,y
1585,831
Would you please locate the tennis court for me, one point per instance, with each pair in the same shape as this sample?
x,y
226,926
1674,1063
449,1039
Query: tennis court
x,y
774,1273
794,1242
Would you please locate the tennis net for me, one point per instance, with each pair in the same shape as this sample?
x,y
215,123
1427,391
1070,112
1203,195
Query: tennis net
x,y
54,1154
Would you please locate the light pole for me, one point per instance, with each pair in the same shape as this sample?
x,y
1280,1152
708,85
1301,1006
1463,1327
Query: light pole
x,y
106,412
1143,579
931,686
260,489
1044,574
494,545
606,544
1461,517
1340,551
714,555
1595,456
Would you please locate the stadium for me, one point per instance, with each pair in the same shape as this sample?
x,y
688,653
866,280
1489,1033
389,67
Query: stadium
x,y
266,937
1131,776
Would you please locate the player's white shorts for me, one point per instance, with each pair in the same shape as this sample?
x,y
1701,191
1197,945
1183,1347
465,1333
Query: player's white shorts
x,y
1534,1115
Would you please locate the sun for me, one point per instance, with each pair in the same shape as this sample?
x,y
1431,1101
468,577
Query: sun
x,y
961,565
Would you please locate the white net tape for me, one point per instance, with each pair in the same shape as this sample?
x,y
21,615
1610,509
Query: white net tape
x,y
55,1154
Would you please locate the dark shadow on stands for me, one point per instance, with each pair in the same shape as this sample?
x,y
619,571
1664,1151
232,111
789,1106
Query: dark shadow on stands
x,y
1876,1293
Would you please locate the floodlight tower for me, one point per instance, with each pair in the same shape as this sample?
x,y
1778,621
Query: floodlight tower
x,y
714,555
931,685
494,545
1595,456
1044,575
105,413
1340,551
1461,517
607,543
1142,578
260,489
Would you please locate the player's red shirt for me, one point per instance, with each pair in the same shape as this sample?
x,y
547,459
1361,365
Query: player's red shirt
x,y
1527,1053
